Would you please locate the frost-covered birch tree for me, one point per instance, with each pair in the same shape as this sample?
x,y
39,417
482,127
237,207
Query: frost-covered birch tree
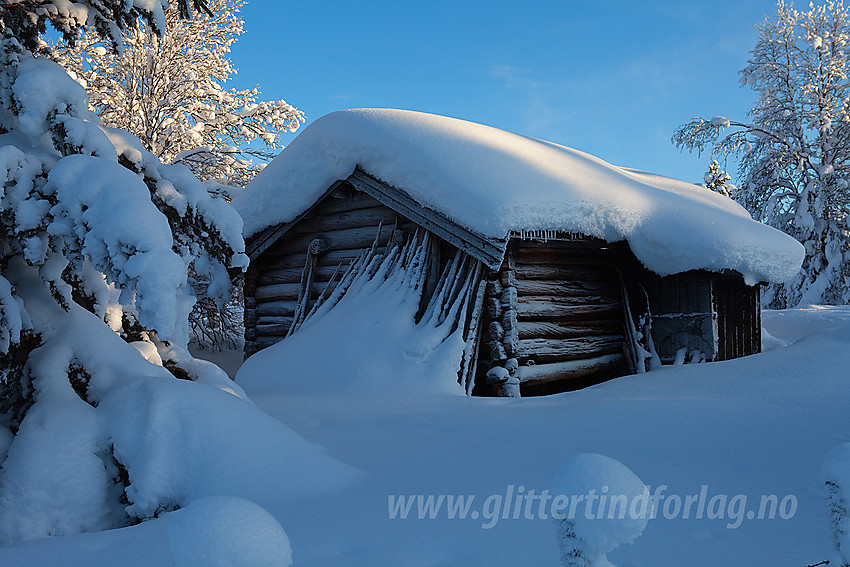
x,y
794,146
169,91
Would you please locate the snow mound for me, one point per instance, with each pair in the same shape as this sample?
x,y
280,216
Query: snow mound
x,y
591,533
213,531
227,531
182,441
179,441
495,182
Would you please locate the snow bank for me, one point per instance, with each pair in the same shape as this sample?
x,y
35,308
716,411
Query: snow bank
x,y
179,441
494,182
791,325
182,441
222,531
367,345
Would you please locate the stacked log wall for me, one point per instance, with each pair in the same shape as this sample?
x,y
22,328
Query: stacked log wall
x,y
555,307
340,228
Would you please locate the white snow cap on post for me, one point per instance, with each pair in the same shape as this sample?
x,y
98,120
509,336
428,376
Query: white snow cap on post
x,y
494,182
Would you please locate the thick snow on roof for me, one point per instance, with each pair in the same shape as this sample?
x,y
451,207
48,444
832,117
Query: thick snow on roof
x,y
493,182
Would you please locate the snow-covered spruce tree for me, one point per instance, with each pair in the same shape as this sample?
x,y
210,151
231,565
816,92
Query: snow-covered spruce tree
x,y
794,150
168,90
97,234
718,180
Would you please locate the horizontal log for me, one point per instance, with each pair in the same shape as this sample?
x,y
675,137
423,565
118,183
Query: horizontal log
x,y
283,261
274,320
371,216
276,308
346,200
347,239
293,275
597,257
543,373
549,350
578,288
278,291
577,329
287,291
568,261
566,273
568,300
552,309
277,330
262,342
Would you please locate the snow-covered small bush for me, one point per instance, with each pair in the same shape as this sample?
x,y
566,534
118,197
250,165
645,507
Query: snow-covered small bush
x,y
586,536
837,491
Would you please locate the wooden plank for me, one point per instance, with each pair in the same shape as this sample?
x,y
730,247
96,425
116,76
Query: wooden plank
x,y
546,350
545,373
371,216
548,310
555,330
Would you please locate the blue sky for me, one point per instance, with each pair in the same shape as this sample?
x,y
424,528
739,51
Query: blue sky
x,y
612,78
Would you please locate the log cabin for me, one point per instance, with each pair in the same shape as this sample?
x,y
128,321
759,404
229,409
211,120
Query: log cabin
x,y
561,270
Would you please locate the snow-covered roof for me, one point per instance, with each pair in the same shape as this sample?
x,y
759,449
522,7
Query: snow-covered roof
x,y
494,182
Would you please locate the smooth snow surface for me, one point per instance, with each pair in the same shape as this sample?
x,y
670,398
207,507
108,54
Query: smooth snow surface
x,y
760,425
494,182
